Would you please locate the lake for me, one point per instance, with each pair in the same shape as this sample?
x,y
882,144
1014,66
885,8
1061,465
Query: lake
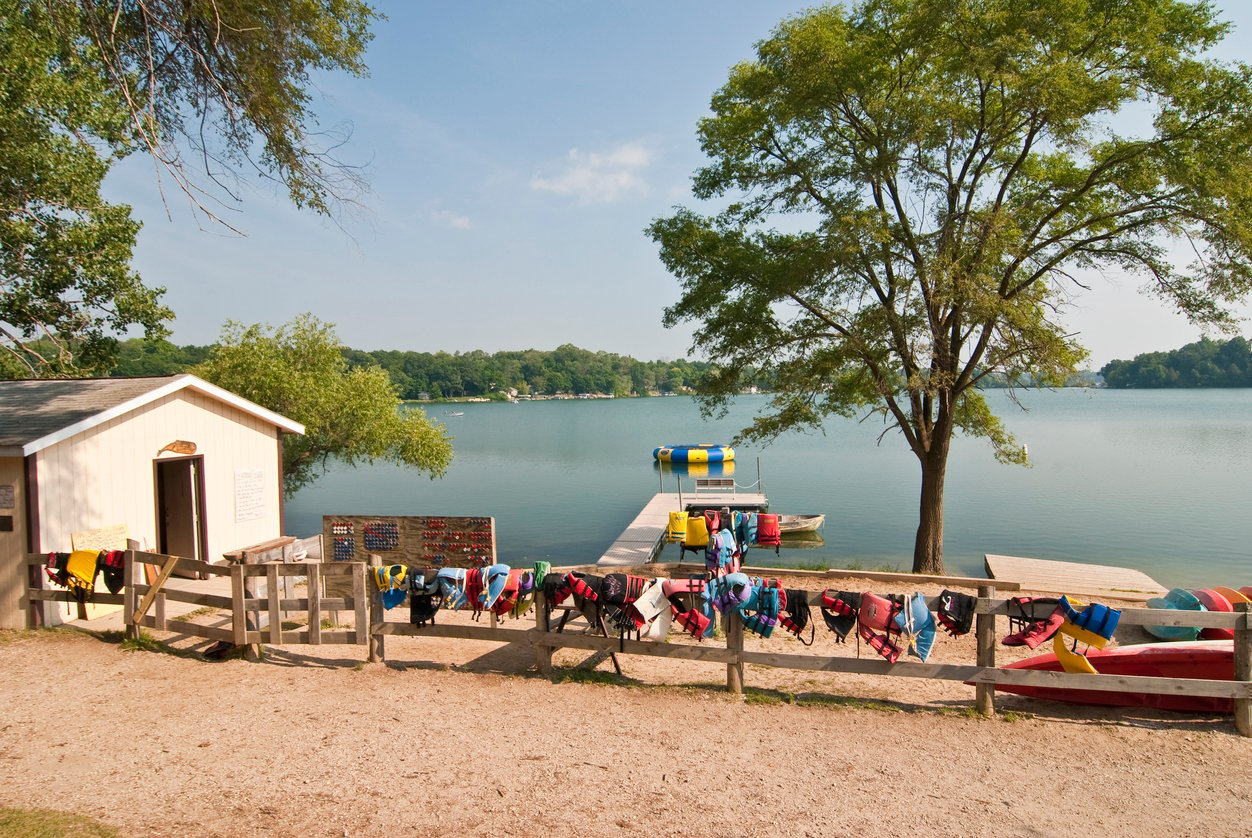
x,y
1152,479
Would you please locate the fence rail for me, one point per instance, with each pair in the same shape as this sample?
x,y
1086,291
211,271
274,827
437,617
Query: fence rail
x,y
370,627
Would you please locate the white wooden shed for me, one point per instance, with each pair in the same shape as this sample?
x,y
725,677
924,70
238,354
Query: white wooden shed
x,y
187,468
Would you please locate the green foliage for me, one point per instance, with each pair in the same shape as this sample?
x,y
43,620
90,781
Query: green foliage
x,y
352,414
65,280
1205,363
910,187
138,357
567,369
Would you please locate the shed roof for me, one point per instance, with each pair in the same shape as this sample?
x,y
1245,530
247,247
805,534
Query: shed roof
x,y
35,414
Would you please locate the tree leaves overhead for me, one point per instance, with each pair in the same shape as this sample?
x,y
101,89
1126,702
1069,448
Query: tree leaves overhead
x,y
911,194
65,281
231,80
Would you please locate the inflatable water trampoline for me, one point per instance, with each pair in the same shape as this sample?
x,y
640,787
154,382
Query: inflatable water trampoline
x,y
704,453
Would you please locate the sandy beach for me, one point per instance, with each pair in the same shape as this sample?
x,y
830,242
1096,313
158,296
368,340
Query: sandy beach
x,y
458,737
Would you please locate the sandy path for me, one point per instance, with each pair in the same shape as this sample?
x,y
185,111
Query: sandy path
x,y
457,738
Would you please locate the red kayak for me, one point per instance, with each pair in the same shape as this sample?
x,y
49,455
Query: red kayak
x,y
1205,659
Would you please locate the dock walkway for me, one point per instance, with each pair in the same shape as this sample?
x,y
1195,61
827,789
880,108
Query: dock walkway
x,y
1073,578
643,537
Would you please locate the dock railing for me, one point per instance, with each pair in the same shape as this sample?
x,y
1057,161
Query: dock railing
x,y
371,625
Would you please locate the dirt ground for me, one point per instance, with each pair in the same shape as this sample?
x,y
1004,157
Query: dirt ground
x,y
456,737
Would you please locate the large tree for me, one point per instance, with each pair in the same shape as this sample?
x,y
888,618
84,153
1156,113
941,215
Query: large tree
x,y
352,415
213,89
914,191
65,280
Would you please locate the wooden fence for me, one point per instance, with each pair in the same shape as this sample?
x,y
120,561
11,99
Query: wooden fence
x,y
984,674
255,618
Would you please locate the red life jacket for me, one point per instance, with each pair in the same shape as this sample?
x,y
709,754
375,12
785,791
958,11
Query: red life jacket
x,y
767,532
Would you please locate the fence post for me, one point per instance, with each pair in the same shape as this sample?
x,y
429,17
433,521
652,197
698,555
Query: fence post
x,y
378,649
128,596
543,652
985,633
1243,668
734,643
238,613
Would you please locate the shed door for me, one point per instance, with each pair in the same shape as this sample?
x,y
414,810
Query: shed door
x,y
180,507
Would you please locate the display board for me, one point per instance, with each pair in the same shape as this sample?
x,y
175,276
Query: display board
x,y
417,541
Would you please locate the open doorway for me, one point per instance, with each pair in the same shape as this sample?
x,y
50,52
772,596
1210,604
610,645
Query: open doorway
x,y
180,507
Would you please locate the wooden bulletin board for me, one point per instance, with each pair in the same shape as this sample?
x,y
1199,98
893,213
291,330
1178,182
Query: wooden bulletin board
x,y
417,541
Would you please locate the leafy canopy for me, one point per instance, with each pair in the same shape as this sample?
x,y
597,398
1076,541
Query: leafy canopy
x,y
353,415
912,192
65,280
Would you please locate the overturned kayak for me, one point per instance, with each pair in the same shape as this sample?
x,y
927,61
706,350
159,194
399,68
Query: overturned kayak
x,y
703,453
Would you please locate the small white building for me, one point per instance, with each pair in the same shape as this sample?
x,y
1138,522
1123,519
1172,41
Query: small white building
x,y
184,467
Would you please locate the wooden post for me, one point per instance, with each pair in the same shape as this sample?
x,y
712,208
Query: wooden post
x,y
360,610
238,627
543,652
985,633
128,596
315,608
378,648
1243,667
734,643
275,591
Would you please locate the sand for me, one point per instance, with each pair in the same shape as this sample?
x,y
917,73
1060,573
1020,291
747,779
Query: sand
x,y
456,737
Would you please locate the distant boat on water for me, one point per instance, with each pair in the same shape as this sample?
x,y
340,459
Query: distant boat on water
x,y
455,413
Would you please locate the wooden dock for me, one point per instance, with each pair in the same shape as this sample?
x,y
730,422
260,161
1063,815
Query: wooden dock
x,y
644,537
1073,578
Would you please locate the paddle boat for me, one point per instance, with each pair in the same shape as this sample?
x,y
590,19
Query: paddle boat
x,y
1205,659
1178,599
702,453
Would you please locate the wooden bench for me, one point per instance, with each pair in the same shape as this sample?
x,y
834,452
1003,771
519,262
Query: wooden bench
x,y
715,484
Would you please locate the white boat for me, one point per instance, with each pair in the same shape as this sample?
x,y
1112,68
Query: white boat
x,y
799,523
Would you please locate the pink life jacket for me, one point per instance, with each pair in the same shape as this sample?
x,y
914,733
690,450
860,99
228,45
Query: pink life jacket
x,y
879,613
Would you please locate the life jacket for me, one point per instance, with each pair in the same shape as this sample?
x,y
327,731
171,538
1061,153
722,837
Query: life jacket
x,y
917,625
1033,620
556,587
1094,625
728,593
392,584
839,610
113,567
452,587
475,586
80,571
713,520
722,554
677,529
767,532
619,592
425,597
956,612
514,596
795,614
766,600
54,566
687,604
697,534
876,621
654,609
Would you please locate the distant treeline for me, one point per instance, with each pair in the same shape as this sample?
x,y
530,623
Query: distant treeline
x,y
564,370
1206,363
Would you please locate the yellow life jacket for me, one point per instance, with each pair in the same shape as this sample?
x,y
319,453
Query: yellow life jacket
x,y
677,529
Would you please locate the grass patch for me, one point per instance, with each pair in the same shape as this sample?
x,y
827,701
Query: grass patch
x,y
809,564
206,611
45,823
587,676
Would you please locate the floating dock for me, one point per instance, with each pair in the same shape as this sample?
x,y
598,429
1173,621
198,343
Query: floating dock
x,y
644,537
1073,577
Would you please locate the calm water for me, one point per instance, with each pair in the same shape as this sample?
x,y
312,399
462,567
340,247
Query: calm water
x,y
1156,480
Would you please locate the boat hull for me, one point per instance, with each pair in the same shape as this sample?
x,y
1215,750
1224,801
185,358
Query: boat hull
x,y
799,523
1205,659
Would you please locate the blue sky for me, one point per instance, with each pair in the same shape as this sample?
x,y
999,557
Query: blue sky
x,y
515,152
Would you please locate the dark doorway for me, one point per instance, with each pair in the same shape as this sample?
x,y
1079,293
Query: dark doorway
x,y
180,507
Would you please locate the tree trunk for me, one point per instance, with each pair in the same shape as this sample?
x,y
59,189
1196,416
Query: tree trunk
x,y
928,547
